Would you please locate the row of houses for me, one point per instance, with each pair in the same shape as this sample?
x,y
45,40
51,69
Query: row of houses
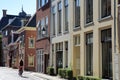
x,y
82,35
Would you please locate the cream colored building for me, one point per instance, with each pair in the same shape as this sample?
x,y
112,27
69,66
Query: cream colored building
x,y
60,34
92,44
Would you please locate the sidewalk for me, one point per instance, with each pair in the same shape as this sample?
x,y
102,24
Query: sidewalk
x,y
47,77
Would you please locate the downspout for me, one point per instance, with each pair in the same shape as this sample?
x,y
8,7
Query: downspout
x,y
116,68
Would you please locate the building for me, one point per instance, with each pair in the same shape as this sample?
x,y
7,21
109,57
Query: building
x,y
27,51
93,44
92,38
8,24
61,34
43,35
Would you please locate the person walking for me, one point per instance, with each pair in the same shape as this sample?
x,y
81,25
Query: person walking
x,y
21,67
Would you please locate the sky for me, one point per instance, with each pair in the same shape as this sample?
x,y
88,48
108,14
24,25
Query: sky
x,y
13,7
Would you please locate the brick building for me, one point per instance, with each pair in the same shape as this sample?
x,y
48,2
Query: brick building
x,y
43,34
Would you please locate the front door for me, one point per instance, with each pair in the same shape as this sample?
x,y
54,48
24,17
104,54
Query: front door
x,y
59,60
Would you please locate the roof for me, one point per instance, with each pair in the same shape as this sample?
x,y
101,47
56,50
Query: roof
x,y
16,22
32,21
5,20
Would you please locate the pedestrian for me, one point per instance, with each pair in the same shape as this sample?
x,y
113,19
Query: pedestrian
x,y
21,67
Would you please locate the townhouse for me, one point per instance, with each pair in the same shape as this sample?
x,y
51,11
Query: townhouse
x,y
85,37
43,35
60,34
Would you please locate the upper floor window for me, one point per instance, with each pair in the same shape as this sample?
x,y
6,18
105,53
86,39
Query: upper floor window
x,y
118,1
77,13
89,11
41,3
31,43
66,15
105,8
59,17
53,20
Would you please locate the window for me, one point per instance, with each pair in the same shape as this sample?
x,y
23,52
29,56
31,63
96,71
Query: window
x,y
31,60
77,13
41,3
46,26
77,40
59,17
6,32
89,54
39,29
31,43
105,8
106,41
66,14
40,60
89,11
118,1
59,46
53,17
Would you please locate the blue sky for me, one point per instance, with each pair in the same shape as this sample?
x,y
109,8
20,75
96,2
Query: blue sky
x,y
14,6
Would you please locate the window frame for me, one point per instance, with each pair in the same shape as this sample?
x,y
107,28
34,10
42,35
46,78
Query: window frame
x,y
89,46
29,45
88,12
59,17
101,5
66,12
75,12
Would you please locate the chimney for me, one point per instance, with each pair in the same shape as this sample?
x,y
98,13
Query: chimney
x,y
4,12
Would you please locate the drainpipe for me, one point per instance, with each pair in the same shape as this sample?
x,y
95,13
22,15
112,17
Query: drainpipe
x,y
116,68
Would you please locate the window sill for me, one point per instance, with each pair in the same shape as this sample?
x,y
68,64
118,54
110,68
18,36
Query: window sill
x,y
77,45
59,34
105,18
89,24
42,38
76,28
66,32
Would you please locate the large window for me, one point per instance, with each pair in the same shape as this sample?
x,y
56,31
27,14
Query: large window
x,y
42,28
89,54
89,11
106,41
59,17
77,13
66,14
31,60
40,60
53,17
105,8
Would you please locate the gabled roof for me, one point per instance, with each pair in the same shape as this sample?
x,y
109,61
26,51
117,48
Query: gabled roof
x,y
5,20
15,22
32,21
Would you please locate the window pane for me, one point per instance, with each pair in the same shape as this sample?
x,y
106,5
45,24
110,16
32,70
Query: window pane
x,y
106,54
77,13
89,11
66,15
105,8
89,54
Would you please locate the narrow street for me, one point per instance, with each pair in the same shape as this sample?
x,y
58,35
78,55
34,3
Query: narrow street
x,y
12,74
